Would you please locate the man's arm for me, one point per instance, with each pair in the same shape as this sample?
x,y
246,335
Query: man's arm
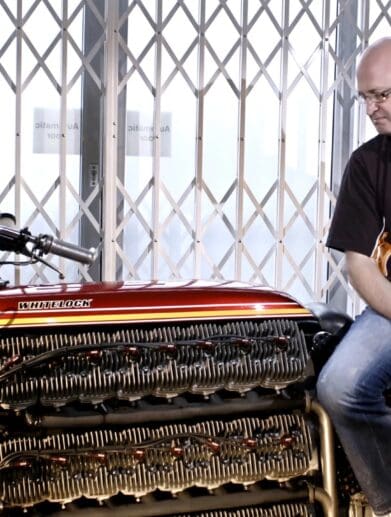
x,y
365,276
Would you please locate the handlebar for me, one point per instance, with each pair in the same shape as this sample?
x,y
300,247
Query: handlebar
x,y
49,244
15,240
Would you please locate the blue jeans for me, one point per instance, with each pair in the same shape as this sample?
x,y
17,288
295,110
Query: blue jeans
x,y
351,388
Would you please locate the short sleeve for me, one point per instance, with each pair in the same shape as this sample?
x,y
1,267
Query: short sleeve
x,y
357,220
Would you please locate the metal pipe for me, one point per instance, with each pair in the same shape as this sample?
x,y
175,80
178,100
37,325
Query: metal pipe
x,y
327,453
240,189
199,144
322,497
110,140
156,186
164,413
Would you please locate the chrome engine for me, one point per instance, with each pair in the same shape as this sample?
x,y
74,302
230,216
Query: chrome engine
x,y
157,400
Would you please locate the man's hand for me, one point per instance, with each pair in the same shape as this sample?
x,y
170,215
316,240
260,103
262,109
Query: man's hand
x,y
366,277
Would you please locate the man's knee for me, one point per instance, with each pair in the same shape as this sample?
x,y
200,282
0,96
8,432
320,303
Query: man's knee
x,y
333,392
324,392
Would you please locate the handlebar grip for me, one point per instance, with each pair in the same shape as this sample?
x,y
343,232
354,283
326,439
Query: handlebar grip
x,y
71,251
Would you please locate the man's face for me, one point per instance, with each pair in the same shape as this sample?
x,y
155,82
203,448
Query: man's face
x,y
373,78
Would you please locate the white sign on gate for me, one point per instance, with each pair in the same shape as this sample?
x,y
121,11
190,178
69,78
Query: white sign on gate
x,y
47,132
141,134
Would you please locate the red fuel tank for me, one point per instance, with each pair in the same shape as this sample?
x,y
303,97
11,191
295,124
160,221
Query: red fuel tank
x,y
126,302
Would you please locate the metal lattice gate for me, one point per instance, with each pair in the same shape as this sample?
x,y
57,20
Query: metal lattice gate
x,y
187,139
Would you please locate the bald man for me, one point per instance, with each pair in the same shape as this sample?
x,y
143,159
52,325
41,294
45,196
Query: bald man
x,y
351,385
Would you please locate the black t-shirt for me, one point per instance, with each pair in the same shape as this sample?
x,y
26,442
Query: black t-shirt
x,y
363,206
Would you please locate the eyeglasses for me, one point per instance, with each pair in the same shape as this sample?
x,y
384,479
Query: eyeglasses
x,y
376,97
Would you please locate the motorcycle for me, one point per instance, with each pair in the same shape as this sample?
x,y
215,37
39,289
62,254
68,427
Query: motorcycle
x,y
187,398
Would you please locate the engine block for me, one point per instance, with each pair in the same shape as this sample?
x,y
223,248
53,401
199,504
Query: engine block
x,y
92,367
100,464
191,399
